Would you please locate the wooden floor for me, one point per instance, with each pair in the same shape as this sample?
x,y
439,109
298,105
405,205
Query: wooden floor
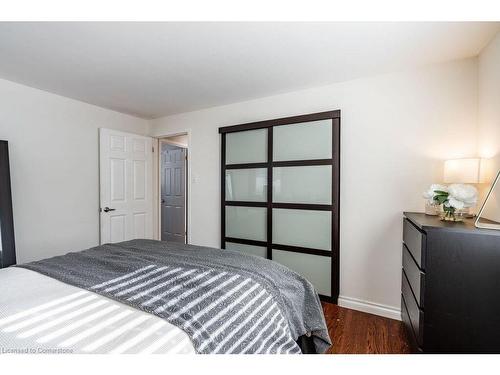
x,y
355,332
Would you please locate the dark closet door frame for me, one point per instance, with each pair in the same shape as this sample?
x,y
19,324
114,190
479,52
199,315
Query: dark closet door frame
x,y
334,254
8,248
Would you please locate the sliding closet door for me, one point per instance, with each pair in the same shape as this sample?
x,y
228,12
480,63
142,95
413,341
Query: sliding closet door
x,y
245,184
280,194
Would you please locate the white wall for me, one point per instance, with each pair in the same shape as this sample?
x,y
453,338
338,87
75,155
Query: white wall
x,y
53,144
178,140
489,109
395,129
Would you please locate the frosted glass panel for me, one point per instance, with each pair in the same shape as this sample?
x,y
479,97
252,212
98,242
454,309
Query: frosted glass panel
x,y
246,147
308,140
312,184
248,249
316,269
302,228
246,222
246,185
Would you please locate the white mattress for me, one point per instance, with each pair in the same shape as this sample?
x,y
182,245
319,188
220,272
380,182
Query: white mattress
x,y
39,314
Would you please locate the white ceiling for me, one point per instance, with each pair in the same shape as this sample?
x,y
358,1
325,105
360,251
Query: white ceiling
x,y
156,69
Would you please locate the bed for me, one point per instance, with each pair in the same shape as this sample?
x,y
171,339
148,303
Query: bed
x,y
146,296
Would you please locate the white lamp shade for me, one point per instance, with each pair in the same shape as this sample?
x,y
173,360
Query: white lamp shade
x,y
464,171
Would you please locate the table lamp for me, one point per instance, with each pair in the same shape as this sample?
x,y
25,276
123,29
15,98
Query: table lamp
x,y
465,171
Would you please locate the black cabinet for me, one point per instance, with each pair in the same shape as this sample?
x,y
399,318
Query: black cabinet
x,y
450,292
7,246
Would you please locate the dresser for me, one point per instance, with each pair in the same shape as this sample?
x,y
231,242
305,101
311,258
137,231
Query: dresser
x,y
450,291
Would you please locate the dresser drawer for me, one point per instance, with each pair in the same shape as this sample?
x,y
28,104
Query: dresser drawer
x,y
412,340
415,241
416,277
416,316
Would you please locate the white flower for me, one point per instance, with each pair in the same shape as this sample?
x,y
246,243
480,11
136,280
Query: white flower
x,y
431,193
455,203
466,194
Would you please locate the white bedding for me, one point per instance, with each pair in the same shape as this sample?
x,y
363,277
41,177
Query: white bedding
x,y
39,314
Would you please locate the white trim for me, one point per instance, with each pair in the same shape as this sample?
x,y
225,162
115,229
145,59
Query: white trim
x,y
156,190
370,307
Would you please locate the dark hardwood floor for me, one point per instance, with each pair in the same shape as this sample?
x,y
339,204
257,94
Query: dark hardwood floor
x,y
355,332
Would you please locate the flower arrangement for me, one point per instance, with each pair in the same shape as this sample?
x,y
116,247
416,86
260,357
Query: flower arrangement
x,y
453,199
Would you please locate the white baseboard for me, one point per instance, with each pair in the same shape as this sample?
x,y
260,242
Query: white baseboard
x,y
370,307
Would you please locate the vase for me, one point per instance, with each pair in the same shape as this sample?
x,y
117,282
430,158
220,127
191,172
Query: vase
x,y
431,209
453,215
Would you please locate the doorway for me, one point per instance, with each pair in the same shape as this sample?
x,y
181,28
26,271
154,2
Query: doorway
x,y
173,188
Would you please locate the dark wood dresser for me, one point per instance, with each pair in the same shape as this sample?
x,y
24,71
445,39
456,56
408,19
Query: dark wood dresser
x,y
450,293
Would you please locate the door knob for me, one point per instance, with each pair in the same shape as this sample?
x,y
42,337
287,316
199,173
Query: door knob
x,y
107,209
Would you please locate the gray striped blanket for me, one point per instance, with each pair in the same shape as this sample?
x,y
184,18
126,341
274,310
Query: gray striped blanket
x,y
226,301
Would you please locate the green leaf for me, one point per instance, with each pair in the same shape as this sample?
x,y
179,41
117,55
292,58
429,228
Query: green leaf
x,y
441,192
441,199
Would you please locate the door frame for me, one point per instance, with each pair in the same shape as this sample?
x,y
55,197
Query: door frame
x,y
157,183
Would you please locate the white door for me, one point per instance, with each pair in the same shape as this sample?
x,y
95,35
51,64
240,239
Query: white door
x,y
126,186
